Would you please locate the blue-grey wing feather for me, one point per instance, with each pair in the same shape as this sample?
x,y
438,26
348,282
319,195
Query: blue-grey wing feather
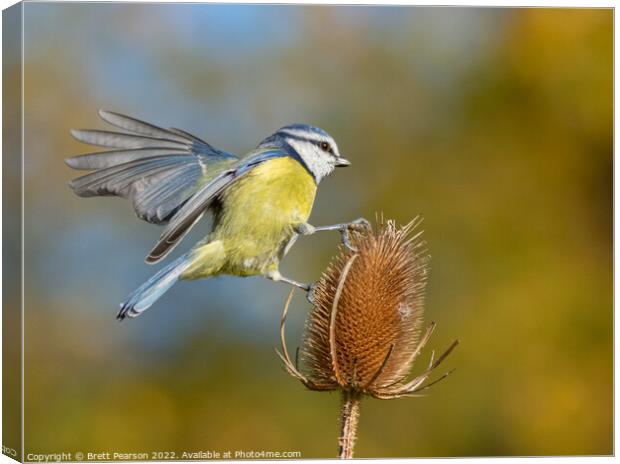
x,y
173,134
116,180
140,127
106,159
192,210
111,139
183,133
157,169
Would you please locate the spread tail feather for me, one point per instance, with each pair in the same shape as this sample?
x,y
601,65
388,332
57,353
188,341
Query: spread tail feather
x,y
150,291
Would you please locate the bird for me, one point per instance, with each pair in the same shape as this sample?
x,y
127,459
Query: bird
x,y
260,202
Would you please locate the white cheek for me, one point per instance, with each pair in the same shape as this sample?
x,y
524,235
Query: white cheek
x,y
321,164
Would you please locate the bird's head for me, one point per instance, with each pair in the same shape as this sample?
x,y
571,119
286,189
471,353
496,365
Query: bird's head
x,y
316,148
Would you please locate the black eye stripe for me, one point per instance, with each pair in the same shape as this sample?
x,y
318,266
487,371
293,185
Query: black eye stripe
x,y
316,143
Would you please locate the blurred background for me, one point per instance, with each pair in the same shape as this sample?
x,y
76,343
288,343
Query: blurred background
x,y
494,124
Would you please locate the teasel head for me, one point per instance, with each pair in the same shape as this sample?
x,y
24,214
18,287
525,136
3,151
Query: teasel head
x,y
365,329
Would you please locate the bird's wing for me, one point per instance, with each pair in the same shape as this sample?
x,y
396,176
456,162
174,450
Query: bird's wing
x,y
191,212
157,169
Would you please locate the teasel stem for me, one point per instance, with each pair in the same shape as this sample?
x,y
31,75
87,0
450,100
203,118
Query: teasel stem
x,y
349,417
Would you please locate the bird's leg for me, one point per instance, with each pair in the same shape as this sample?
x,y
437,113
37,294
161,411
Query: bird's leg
x,y
359,224
275,275
294,283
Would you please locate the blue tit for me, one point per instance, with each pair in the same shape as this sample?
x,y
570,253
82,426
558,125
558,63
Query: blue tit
x,y
260,202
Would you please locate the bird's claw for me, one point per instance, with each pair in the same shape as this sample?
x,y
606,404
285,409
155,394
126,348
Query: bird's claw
x,y
310,293
359,225
346,241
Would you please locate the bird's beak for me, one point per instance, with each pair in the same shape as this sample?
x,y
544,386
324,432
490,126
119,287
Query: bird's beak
x,y
342,162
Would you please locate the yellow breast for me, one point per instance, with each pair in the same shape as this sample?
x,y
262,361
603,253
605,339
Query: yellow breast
x,y
260,210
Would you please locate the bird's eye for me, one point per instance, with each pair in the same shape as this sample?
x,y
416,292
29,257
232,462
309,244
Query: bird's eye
x,y
326,147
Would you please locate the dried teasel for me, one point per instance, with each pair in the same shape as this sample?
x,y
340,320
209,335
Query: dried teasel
x,y
365,329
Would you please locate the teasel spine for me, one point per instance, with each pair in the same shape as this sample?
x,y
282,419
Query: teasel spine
x,y
350,409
